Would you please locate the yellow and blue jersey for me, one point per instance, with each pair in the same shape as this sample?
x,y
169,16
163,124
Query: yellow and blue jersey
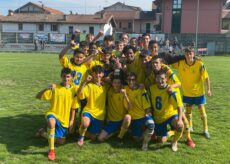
x,y
192,77
138,68
78,71
140,102
96,98
117,105
164,104
61,99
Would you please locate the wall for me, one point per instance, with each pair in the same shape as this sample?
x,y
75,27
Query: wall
x,y
209,16
166,16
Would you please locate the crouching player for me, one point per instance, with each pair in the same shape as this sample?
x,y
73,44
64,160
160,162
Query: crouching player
x,y
140,111
94,112
164,105
62,99
118,104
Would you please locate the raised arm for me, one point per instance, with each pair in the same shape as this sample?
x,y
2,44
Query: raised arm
x,y
50,87
64,51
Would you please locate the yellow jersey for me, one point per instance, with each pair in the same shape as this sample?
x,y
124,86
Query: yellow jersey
x,y
140,102
164,104
192,77
78,71
61,99
138,68
117,105
96,98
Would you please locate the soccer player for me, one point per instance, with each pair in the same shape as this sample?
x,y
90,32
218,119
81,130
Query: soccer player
x,y
134,63
62,99
168,58
78,69
193,74
118,104
94,112
164,109
140,112
175,84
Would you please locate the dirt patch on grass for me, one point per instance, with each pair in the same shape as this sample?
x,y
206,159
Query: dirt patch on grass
x,y
7,83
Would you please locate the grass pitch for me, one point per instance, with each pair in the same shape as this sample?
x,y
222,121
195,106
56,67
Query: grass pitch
x,y
23,75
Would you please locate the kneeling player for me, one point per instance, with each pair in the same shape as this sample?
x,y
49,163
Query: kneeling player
x,y
61,97
118,104
140,111
164,112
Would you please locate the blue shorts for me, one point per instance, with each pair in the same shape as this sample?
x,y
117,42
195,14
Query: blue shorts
x,y
95,124
112,126
138,126
194,100
60,131
161,129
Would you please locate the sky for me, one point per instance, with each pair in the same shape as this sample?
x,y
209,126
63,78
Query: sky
x,y
76,6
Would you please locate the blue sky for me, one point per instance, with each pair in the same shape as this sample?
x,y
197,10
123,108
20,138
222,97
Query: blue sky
x,y
79,6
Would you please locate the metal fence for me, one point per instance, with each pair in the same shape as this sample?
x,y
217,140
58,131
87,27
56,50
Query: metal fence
x,y
219,43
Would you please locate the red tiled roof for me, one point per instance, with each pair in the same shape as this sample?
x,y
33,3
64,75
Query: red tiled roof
x,y
51,10
123,15
49,18
44,8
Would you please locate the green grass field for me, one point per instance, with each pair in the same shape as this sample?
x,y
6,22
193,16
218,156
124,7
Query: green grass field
x,y
23,75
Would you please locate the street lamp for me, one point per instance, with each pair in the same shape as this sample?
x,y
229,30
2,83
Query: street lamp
x,y
197,24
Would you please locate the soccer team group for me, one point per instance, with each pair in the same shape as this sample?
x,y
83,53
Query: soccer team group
x,y
125,86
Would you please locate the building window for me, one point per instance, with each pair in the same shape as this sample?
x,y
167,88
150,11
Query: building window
x,y
70,29
176,16
148,27
130,25
120,26
40,27
20,26
91,30
54,27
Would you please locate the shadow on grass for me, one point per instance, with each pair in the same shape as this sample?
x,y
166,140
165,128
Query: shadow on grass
x,y
18,133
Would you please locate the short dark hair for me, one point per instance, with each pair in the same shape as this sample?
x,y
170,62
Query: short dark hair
x,y
146,34
152,42
78,51
109,38
158,57
97,69
161,72
108,50
131,74
118,74
65,71
128,47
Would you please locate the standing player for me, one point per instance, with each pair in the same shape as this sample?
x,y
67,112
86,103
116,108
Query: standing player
x,y
164,109
193,74
78,69
61,98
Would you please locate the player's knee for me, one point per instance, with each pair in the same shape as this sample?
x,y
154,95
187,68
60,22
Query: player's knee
x,y
162,139
127,118
150,127
101,138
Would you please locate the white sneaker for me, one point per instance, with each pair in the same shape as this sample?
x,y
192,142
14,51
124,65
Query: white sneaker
x,y
207,135
174,146
145,147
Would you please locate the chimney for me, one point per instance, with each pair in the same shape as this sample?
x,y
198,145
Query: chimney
x,y
10,12
102,14
154,7
65,17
